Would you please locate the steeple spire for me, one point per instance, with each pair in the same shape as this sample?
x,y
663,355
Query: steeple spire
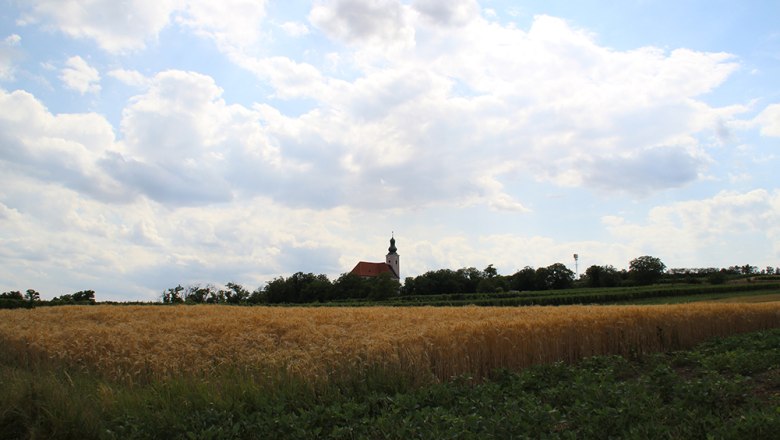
x,y
392,258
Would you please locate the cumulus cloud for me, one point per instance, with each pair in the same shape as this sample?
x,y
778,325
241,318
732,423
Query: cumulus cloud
x,y
79,76
438,121
130,25
61,149
642,172
769,120
447,12
371,22
66,242
448,107
184,145
289,78
694,230
114,26
12,40
232,24
8,56
130,77
294,28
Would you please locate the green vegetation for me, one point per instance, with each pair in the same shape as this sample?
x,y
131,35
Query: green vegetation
x,y
653,294
468,285
727,388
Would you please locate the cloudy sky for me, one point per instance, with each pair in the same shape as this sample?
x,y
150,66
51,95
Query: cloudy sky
x,y
147,143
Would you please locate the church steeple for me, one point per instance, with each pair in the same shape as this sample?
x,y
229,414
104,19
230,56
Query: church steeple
x,y
392,259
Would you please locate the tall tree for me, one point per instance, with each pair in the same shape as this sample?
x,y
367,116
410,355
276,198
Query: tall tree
x,y
32,296
602,276
558,276
646,269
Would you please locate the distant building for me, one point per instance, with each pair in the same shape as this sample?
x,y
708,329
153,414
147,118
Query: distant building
x,y
391,265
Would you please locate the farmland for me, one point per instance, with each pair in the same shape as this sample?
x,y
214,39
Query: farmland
x,y
653,294
295,359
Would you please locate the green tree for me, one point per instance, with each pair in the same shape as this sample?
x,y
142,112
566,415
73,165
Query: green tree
x,y
14,294
524,279
558,276
383,286
298,288
197,294
173,295
349,285
317,289
236,293
748,269
84,296
258,296
602,276
12,300
32,296
646,269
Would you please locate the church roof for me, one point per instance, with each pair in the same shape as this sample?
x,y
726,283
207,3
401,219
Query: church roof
x,y
366,269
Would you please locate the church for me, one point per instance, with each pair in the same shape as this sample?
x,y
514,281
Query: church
x,y
390,266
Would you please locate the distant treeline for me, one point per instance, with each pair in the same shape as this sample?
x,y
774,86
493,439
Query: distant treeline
x,y
15,299
302,288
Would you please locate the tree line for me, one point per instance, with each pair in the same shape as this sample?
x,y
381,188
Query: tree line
x,y
301,288
298,288
15,299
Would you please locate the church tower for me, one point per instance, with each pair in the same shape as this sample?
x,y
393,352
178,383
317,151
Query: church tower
x,y
392,259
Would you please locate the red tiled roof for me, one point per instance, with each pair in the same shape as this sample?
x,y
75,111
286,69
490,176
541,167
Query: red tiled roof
x,y
365,269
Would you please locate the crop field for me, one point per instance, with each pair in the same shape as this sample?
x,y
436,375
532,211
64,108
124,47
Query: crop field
x,y
653,294
220,372
424,344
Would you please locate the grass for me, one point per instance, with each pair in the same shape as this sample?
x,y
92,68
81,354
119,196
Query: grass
x,y
745,297
653,294
725,389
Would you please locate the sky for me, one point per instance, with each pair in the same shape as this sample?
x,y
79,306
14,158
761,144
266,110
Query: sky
x,y
150,143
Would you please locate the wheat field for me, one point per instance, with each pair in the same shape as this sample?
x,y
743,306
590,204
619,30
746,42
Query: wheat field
x,y
136,343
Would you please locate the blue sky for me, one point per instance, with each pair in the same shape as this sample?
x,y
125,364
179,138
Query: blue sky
x,y
149,143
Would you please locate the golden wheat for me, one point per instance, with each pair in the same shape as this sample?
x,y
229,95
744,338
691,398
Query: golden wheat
x,y
143,342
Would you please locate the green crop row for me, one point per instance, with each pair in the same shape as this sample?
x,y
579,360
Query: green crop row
x,y
575,296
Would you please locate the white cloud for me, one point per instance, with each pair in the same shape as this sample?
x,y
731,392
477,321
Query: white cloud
x,y
426,130
79,76
130,25
295,28
8,56
447,104
114,26
66,242
184,145
12,40
232,24
447,12
695,230
290,79
61,149
364,22
130,77
641,172
769,120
